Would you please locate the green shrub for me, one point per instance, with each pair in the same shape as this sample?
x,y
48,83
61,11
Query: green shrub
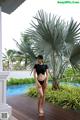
x,y
32,92
72,79
15,81
68,72
69,76
67,97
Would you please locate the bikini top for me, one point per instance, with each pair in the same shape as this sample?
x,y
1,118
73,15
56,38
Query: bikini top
x,y
40,68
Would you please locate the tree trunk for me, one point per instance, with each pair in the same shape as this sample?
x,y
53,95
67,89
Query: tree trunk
x,y
55,85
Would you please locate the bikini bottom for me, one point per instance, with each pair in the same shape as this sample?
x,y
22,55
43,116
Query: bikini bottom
x,y
41,82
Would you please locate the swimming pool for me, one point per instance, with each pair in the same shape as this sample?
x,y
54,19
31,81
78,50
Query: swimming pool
x,y
18,89
21,89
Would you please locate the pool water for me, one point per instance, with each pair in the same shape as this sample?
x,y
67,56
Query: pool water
x,y
18,89
21,89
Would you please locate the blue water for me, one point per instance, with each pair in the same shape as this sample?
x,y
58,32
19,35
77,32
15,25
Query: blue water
x,y
21,89
18,89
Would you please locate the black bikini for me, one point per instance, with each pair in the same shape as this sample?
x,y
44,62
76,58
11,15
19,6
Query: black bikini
x,y
41,82
41,68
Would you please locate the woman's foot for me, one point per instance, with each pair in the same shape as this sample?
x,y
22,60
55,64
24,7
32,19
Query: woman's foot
x,y
41,112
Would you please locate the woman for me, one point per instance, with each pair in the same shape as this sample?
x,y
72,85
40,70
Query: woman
x,y
41,78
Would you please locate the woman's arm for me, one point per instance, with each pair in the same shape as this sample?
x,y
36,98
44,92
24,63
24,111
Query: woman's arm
x,y
46,83
47,75
35,77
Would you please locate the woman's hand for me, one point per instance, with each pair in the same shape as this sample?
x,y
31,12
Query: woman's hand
x,y
38,85
45,84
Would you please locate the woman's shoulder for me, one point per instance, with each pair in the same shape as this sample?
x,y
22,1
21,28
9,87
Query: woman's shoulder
x,y
35,65
46,66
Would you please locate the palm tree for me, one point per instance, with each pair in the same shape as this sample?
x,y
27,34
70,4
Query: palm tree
x,y
26,51
75,57
55,39
9,58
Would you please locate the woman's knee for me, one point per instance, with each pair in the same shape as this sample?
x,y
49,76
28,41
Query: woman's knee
x,y
41,95
40,92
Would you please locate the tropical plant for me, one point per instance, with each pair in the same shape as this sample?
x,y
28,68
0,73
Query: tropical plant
x,y
9,58
56,40
26,51
16,81
75,57
68,97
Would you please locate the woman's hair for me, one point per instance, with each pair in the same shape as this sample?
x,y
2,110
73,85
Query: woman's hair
x,y
40,57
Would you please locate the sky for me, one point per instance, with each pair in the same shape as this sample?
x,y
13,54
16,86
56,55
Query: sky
x,y
18,21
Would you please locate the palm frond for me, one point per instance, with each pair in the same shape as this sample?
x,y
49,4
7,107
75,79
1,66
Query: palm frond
x,y
73,32
48,32
26,49
75,57
54,38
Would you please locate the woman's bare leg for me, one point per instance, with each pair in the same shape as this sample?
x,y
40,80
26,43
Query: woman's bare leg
x,y
40,100
43,99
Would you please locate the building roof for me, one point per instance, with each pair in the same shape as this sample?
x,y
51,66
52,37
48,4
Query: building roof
x,y
8,6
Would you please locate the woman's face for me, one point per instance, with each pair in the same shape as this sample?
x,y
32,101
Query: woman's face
x,y
40,60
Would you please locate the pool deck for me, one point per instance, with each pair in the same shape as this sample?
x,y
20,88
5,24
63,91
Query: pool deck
x,y
25,108
13,118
